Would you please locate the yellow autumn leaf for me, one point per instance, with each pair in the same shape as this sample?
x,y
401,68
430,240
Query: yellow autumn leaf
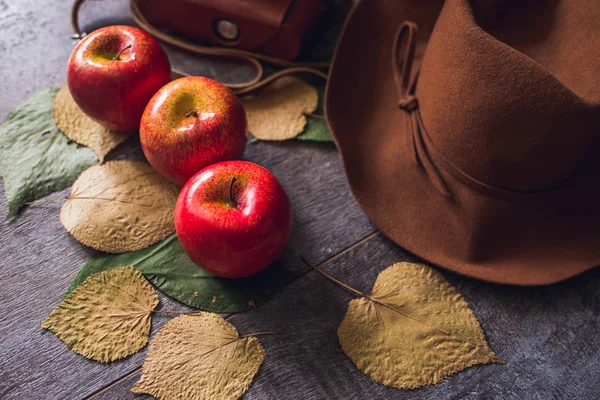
x,y
120,206
107,317
199,356
278,111
414,330
80,128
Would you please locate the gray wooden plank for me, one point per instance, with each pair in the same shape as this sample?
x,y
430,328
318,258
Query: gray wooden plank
x,y
121,390
38,258
548,335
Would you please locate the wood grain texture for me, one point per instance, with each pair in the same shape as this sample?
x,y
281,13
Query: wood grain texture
x,y
38,259
548,335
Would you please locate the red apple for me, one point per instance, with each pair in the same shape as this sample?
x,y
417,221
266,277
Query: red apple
x,y
233,218
113,72
191,123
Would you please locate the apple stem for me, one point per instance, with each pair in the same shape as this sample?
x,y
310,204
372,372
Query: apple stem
x,y
118,56
231,201
47,200
192,113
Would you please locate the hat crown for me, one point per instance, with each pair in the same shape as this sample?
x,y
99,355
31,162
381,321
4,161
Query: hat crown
x,y
512,98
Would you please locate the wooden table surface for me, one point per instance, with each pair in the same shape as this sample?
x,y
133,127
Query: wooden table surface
x,y
548,335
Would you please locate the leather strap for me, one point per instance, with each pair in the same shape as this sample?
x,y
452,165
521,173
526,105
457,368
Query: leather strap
x,y
254,59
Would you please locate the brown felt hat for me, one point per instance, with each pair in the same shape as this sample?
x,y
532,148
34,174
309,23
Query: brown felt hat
x,y
470,131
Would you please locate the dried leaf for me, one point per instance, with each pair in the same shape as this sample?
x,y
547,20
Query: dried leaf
x,y
107,317
414,330
199,356
80,128
36,159
166,265
120,206
277,112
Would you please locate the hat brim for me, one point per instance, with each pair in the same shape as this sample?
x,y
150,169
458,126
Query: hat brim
x,y
541,238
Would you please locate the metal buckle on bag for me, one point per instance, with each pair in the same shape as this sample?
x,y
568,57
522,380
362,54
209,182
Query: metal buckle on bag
x,y
227,30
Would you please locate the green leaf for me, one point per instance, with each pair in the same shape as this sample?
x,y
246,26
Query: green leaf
x,y
167,266
316,130
36,159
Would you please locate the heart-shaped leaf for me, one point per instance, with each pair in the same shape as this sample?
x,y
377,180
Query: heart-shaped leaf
x,y
80,128
36,159
167,266
120,206
107,317
414,330
199,356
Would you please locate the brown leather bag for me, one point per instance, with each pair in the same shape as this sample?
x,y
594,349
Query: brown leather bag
x,y
274,27
250,30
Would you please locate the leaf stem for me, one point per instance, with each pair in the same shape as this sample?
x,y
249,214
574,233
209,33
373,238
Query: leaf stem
x,y
107,199
381,303
54,199
48,200
174,312
192,113
232,203
118,56
342,284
